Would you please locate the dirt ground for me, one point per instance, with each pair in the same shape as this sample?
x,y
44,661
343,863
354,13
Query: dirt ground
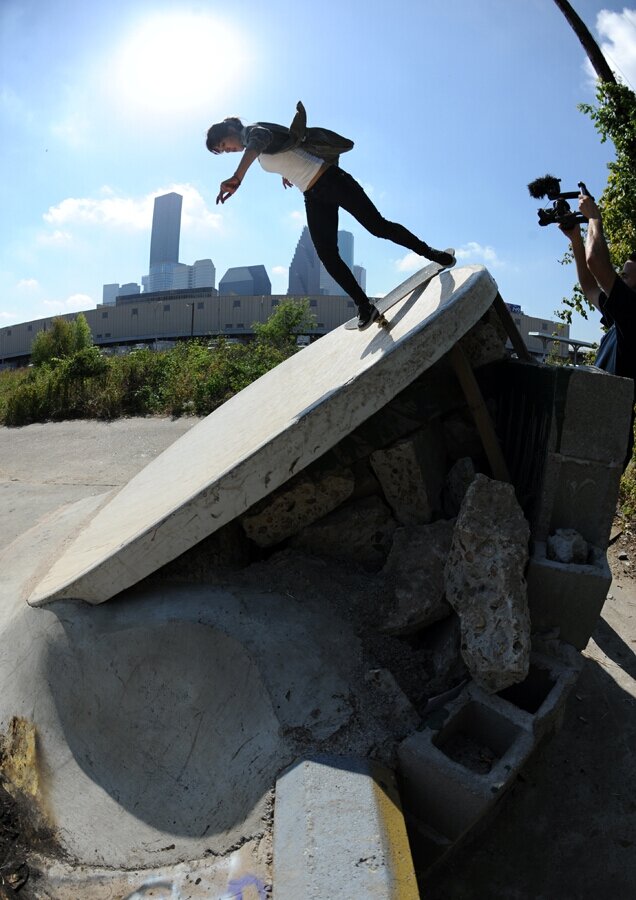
x,y
567,830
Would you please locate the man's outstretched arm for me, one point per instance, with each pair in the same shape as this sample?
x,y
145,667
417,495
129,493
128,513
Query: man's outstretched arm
x,y
597,254
587,281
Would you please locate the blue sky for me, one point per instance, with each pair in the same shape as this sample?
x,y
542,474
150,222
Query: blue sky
x,y
454,106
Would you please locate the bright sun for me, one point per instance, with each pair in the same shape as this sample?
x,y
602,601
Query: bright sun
x,y
178,62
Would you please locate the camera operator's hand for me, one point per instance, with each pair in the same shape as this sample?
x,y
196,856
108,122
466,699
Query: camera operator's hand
x,y
588,207
570,231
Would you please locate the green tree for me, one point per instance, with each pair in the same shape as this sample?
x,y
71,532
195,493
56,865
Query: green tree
x,y
287,321
61,341
83,334
614,117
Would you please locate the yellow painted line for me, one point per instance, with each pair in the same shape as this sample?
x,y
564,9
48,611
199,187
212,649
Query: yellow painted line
x,y
395,837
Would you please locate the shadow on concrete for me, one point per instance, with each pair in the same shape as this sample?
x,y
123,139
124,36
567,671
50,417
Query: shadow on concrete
x,y
448,286
613,646
170,718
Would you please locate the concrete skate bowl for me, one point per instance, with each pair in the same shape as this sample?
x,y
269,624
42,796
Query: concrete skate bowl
x,y
165,717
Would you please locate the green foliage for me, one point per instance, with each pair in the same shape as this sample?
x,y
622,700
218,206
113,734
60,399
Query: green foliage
x,y
627,495
614,117
75,381
83,338
287,321
62,340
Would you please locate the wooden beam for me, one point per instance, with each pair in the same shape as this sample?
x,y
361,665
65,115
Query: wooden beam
x,y
480,414
511,330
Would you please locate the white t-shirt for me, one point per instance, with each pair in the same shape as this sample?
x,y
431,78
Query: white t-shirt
x,y
295,165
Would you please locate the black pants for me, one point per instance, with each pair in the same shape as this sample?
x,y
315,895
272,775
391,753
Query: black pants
x,y
337,188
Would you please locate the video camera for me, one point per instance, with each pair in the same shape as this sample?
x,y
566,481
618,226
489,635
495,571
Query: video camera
x,y
560,212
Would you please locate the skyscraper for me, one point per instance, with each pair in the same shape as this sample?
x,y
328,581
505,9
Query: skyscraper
x,y
166,228
308,276
304,270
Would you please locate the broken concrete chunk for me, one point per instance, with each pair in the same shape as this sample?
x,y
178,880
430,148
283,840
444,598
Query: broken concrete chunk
x,y
567,546
486,341
359,533
416,567
411,474
461,436
393,703
301,501
445,664
458,481
486,586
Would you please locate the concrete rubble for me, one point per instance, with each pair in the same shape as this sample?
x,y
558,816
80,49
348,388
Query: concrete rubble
x,y
379,642
485,584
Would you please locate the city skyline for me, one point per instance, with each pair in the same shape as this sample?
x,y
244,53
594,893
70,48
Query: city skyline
x,y
307,274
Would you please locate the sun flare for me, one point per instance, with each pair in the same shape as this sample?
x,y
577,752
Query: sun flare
x,y
178,62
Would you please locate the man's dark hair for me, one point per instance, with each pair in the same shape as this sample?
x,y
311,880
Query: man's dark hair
x,y
632,257
221,130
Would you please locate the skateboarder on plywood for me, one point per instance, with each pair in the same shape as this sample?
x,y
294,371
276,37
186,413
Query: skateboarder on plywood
x,y
308,158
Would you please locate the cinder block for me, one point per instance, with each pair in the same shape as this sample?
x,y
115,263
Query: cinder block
x,y
577,494
339,832
456,770
543,694
568,597
593,422
459,766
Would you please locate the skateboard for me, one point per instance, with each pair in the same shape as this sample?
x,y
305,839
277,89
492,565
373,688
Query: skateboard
x,y
418,279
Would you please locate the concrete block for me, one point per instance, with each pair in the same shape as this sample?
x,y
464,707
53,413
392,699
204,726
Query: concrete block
x,y
415,571
456,770
577,494
567,597
593,422
411,474
300,502
485,585
458,480
359,533
486,341
458,767
339,832
543,694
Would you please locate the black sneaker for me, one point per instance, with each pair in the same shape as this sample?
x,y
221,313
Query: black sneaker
x,y
438,256
367,315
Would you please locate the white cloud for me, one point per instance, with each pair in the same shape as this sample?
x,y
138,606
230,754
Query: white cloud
x,y
280,270
28,284
618,42
135,213
57,238
409,263
479,253
471,252
74,303
297,216
8,316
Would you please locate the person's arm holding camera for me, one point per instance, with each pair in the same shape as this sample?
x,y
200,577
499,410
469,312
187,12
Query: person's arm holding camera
x,y
588,282
597,255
